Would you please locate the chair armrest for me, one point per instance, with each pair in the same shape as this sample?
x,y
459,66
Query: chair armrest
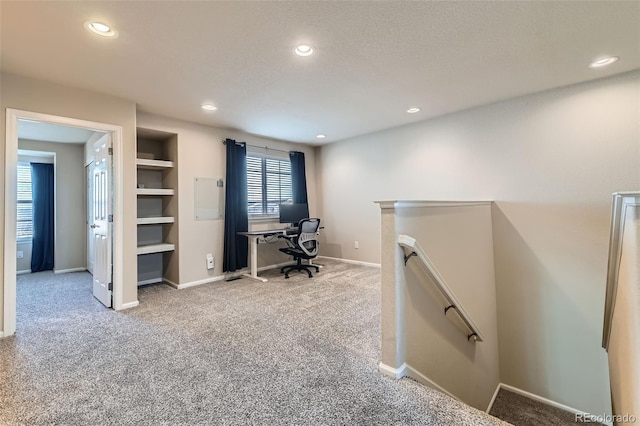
x,y
290,241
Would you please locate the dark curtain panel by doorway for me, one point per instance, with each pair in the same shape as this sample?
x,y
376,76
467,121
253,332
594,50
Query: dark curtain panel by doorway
x,y
236,208
298,177
42,190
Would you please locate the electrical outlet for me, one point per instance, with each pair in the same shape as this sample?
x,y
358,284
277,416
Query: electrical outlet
x,y
210,261
20,254
357,244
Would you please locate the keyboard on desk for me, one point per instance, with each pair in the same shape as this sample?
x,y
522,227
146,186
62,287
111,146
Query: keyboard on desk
x,y
291,230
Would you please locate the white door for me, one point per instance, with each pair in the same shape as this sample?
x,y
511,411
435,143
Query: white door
x,y
90,225
102,220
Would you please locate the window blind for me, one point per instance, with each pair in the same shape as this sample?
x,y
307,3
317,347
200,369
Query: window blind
x,y
25,206
268,184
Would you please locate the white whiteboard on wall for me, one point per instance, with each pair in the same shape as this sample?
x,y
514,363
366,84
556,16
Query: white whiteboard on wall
x,y
208,199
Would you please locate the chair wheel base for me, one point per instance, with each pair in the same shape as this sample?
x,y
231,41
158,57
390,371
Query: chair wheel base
x,y
286,270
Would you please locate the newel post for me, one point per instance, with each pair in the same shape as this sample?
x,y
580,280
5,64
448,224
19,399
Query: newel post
x,y
393,357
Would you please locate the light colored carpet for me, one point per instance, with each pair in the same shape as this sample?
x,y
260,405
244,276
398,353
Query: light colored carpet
x,y
522,411
296,351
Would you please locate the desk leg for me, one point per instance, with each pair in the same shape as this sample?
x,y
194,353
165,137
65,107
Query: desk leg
x,y
253,260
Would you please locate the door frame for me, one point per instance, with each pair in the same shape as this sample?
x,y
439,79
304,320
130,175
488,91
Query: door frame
x,y
11,160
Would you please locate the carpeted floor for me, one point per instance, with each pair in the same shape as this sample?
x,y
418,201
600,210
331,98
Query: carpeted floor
x,y
298,351
522,411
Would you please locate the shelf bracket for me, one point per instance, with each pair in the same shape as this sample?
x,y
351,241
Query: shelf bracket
x,y
409,256
449,307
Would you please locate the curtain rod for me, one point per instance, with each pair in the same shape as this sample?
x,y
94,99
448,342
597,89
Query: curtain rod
x,y
266,148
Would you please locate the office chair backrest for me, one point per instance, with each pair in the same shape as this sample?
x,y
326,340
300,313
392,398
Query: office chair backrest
x,y
308,235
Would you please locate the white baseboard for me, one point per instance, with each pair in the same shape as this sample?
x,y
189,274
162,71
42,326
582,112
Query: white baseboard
x,y
394,373
234,274
26,271
194,283
406,370
274,266
542,399
65,271
493,398
353,262
1,334
419,377
130,305
247,271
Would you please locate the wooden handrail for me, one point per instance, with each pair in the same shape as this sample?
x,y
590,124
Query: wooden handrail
x,y
621,200
410,243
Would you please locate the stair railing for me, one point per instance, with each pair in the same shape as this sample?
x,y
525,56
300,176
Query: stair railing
x,y
621,201
410,243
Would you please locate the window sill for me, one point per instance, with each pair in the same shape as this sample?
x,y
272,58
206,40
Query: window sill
x,y
264,218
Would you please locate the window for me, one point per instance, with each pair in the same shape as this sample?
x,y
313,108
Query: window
x,y
268,185
25,207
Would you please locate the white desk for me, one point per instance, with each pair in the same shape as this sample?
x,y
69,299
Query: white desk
x,y
253,253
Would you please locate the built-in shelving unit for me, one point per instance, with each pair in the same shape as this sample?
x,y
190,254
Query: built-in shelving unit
x,y
157,206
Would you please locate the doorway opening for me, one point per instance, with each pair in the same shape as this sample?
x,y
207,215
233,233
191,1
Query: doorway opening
x,y
70,236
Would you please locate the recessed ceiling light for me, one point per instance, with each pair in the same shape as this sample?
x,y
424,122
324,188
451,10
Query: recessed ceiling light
x,y
101,29
603,61
321,136
413,110
209,107
303,50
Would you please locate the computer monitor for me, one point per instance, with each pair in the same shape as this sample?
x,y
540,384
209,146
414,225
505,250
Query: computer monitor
x,y
293,213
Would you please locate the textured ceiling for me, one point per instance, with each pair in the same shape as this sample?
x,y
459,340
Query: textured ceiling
x,y
372,60
35,131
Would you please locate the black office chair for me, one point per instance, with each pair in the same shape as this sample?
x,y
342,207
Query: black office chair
x,y
302,246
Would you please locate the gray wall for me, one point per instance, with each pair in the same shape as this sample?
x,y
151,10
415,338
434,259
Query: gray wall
x,y
70,202
550,161
23,265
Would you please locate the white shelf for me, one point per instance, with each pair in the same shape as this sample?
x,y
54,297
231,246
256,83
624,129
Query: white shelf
x,y
154,191
154,220
155,248
150,281
143,163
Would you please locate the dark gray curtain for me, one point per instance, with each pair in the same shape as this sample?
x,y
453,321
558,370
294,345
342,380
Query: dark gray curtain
x,y
298,177
42,183
236,218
